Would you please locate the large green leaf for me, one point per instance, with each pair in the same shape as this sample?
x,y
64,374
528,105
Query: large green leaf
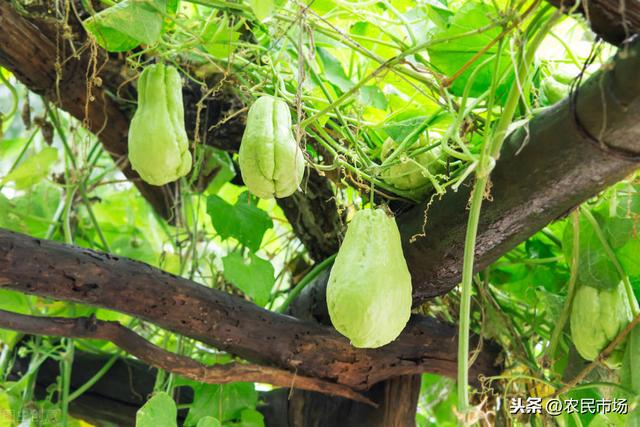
x,y
243,221
224,402
6,415
450,56
32,170
159,411
127,24
209,422
333,71
252,275
218,36
262,8
595,267
251,418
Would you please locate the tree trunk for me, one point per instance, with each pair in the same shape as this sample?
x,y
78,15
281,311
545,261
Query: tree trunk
x,y
397,400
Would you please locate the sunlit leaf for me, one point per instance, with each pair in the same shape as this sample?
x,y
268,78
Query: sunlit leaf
x,y
251,418
159,411
224,402
252,275
243,221
451,56
333,71
262,8
33,169
127,24
595,267
218,36
209,422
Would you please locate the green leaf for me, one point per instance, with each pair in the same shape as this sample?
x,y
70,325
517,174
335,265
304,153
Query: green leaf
x,y
252,275
209,422
333,71
127,24
6,415
401,125
218,162
262,8
595,268
218,36
159,411
225,401
619,231
243,221
628,257
449,57
32,170
172,6
251,418
31,212
372,96
322,6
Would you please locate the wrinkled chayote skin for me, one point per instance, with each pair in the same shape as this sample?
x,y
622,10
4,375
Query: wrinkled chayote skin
x,y
270,160
369,288
407,175
158,143
597,317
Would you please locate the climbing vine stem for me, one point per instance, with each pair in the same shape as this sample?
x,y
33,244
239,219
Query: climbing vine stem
x,y
488,156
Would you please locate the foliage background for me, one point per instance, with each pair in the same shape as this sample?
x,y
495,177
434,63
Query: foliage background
x,y
357,76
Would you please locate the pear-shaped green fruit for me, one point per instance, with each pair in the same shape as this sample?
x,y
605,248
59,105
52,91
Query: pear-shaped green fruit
x,y
410,175
597,317
369,288
158,143
271,163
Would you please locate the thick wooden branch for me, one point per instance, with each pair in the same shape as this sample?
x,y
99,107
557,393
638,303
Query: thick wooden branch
x,y
134,344
229,323
613,20
546,168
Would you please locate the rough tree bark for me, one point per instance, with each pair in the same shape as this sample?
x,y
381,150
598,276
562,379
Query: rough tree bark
x,y
613,20
69,273
546,168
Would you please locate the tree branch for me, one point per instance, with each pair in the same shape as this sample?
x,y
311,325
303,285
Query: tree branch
x,y
153,355
63,272
613,20
547,167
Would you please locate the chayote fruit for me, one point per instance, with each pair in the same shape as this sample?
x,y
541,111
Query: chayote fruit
x,y
552,91
158,143
271,163
407,175
597,317
369,288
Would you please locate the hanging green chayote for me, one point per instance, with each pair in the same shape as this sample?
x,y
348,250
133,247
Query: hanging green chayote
x,y
597,317
158,143
369,288
271,163
412,175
